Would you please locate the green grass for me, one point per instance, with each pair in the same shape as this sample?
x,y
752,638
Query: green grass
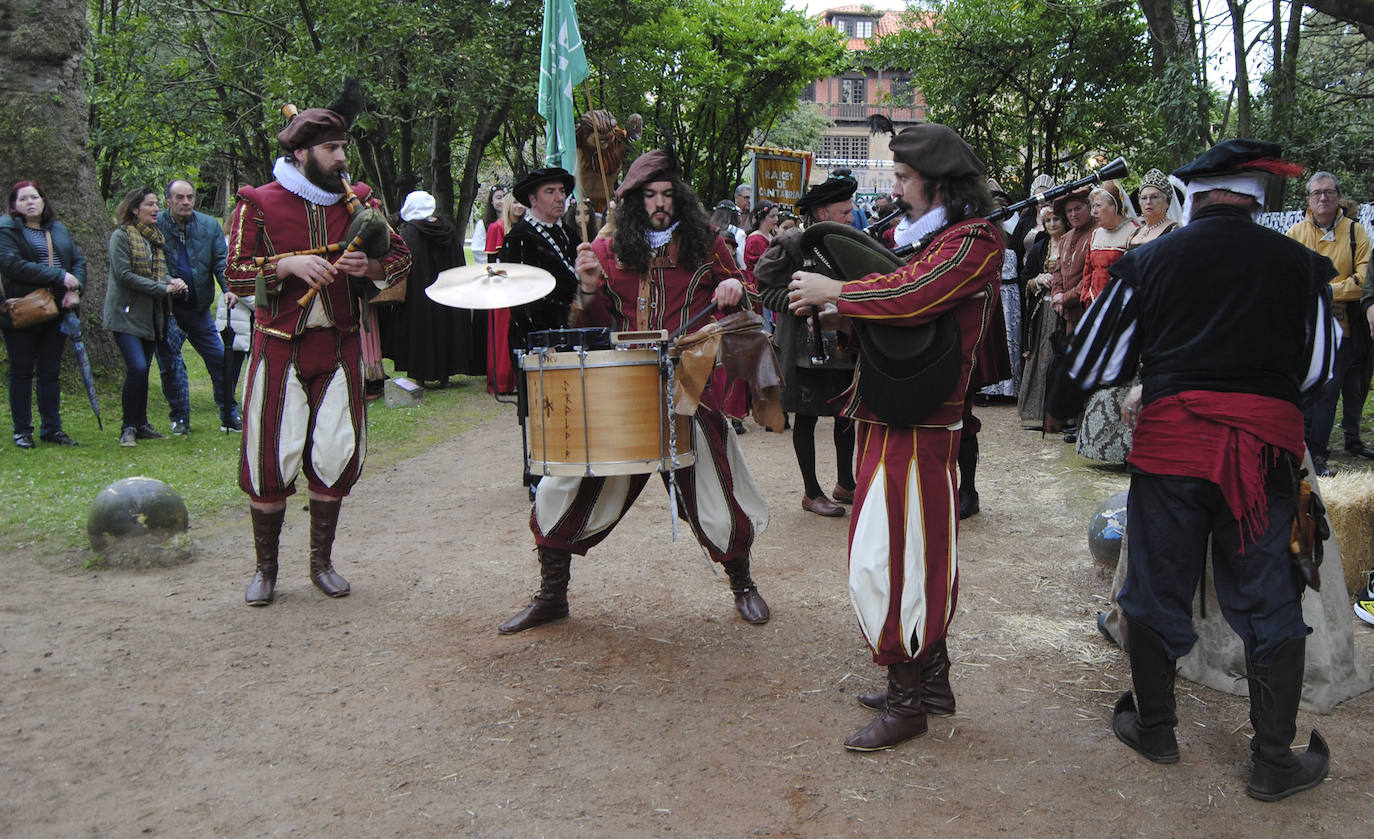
x,y
48,490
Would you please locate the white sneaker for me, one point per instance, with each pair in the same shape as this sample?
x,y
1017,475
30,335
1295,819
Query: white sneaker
x,y
1364,610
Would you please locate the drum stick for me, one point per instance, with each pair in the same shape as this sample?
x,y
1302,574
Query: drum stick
x,y
697,318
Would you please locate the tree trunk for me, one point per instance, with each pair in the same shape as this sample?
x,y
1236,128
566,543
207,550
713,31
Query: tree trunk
x,y
1242,84
43,130
441,163
1285,83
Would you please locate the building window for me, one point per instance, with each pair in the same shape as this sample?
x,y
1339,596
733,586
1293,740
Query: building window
x,y
808,93
847,148
903,93
852,91
853,27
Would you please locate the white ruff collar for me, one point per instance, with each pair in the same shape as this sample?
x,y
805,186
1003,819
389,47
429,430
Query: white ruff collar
x,y
909,232
299,185
659,238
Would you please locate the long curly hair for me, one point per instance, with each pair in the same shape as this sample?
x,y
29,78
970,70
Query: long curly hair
x,y
632,224
965,197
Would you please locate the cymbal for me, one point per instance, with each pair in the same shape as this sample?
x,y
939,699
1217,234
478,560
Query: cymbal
x,y
491,286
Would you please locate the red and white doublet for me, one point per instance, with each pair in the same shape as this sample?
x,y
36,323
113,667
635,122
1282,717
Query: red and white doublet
x,y
903,558
724,506
303,406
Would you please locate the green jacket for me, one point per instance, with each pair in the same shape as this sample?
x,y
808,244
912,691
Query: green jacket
x,y
134,304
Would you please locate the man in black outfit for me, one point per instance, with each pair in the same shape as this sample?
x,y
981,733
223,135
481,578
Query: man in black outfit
x,y
542,240
1229,323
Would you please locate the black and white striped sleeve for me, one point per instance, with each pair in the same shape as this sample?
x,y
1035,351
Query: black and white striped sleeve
x,y
1323,339
1103,352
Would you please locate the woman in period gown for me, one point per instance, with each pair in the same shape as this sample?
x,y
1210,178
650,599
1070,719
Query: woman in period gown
x,y
1044,322
1102,435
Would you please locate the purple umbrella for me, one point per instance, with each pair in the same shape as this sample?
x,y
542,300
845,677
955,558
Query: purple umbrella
x,y
71,326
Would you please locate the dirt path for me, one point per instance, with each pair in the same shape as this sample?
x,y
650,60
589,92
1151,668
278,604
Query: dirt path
x,y
155,703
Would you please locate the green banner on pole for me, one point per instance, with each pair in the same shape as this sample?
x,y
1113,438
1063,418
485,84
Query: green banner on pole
x,y
562,66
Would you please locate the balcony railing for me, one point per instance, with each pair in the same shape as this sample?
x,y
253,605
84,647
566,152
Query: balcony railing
x,y
838,110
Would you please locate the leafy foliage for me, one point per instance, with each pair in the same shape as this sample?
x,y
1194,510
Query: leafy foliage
x,y
1034,87
187,88
1333,120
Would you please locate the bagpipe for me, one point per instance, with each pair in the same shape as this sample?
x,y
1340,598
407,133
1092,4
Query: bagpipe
x,y
905,372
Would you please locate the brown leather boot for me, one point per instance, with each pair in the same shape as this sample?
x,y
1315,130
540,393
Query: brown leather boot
x,y
902,718
324,518
748,602
266,536
936,695
551,603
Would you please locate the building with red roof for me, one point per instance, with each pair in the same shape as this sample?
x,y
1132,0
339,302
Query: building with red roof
x,y
851,98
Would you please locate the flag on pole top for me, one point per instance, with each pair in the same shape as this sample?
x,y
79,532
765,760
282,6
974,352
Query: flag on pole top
x,y
562,65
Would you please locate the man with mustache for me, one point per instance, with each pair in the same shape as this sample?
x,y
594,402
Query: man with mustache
x,y
663,266
303,403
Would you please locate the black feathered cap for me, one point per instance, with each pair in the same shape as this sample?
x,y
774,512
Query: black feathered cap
x,y
832,190
1240,156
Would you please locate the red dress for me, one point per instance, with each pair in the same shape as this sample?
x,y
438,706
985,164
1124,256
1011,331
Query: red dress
x,y
1095,275
500,366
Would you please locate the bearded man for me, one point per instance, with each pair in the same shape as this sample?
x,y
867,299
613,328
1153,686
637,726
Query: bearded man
x,y
663,267
303,403
903,561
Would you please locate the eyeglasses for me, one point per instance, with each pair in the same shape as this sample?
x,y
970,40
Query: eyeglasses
x,y
1323,193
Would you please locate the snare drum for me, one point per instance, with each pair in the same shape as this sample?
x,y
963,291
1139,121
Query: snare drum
x,y
601,412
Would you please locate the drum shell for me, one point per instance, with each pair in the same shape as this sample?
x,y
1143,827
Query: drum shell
x,y
602,412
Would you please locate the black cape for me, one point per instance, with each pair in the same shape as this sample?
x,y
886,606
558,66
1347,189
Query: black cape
x,y
427,340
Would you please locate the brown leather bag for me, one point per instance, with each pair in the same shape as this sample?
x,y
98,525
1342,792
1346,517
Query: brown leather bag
x,y
30,310
38,306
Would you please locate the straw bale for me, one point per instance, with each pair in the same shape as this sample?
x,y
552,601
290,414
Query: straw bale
x,y
1349,499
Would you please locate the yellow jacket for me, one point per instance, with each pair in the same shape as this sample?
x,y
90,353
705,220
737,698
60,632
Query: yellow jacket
x,y
1349,272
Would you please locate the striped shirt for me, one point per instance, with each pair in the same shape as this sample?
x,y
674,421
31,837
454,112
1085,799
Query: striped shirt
x,y
1228,307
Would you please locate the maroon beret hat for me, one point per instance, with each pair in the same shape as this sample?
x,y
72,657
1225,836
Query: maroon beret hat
x,y
656,165
936,152
312,127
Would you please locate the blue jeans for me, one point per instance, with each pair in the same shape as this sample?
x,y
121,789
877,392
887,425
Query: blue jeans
x,y
138,358
37,347
194,324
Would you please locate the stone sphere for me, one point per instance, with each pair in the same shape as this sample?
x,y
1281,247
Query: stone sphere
x,y
133,512
1107,529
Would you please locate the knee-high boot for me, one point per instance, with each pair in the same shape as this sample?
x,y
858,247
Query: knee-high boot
x,y
1146,722
968,468
266,537
903,716
324,520
551,603
748,602
937,697
1275,690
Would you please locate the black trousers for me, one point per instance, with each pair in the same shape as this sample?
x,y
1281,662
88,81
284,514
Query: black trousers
x,y
1169,521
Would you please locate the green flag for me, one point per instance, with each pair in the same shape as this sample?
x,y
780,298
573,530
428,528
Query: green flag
x,y
562,65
